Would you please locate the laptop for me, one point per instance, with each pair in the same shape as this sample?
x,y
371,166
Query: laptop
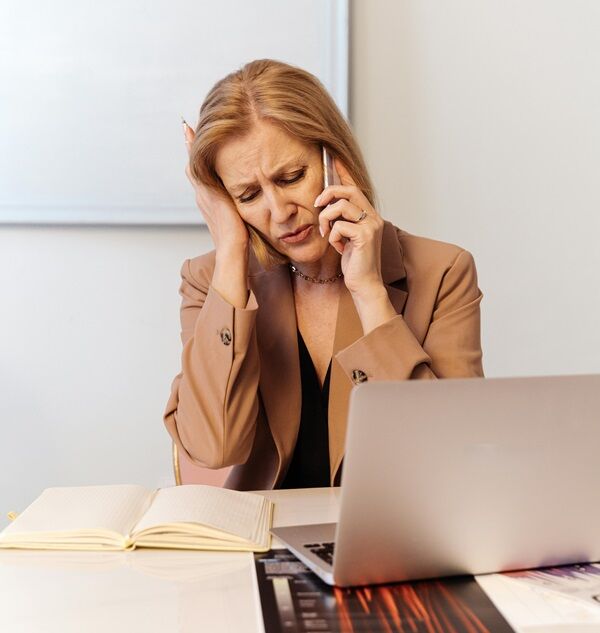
x,y
462,476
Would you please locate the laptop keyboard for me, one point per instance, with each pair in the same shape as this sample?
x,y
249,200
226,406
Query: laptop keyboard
x,y
322,550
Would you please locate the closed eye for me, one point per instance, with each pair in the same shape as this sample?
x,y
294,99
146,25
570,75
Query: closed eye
x,y
249,198
296,178
283,181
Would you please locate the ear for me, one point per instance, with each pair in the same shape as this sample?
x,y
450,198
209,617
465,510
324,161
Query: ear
x,y
343,173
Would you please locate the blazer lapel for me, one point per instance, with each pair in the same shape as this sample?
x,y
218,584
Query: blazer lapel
x,y
348,330
279,381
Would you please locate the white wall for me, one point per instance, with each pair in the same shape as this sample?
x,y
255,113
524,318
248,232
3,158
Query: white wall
x,y
89,330
104,84
479,121
90,343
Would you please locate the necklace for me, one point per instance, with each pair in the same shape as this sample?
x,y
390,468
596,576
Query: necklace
x,y
315,280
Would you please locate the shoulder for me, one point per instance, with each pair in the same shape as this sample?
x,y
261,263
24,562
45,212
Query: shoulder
x,y
424,252
439,275
424,257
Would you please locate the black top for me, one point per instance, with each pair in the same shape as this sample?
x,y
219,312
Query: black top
x,y
309,467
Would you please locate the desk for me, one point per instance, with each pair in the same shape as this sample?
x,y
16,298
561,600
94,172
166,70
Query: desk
x,y
162,590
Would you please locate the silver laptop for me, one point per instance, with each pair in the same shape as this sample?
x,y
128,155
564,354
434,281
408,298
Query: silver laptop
x,y
462,477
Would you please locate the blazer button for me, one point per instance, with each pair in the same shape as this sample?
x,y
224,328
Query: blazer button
x,y
225,336
358,376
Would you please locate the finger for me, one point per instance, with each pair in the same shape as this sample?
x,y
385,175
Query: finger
x,y
349,192
340,234
340,209
343,173
188,135
359,234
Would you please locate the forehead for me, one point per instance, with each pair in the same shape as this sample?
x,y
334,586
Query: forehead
x,y
265,149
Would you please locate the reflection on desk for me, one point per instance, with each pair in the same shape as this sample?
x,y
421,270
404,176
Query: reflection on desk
x,y
149,590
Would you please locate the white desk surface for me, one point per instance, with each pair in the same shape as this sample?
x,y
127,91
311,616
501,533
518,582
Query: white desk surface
x,y
180,591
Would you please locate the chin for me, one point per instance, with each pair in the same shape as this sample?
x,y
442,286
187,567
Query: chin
x,y
308,254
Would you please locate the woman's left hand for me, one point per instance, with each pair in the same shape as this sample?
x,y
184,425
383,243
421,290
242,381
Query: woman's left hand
x,y
357,240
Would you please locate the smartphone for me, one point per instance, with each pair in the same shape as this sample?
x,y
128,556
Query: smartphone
x,y
330,175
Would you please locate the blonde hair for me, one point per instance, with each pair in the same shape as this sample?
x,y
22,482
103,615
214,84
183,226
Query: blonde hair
x,y
283,95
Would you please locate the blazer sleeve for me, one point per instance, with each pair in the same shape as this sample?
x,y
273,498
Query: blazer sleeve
x,y
452,344
212,410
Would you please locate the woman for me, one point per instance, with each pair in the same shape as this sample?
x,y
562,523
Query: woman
x,y
308,291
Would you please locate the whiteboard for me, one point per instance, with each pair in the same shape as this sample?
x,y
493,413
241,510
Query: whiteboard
x,y
92,95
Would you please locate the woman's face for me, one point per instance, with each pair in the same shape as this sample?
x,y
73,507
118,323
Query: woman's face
x,y
273,179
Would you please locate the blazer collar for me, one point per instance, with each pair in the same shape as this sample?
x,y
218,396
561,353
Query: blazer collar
x,y
392,256
276,325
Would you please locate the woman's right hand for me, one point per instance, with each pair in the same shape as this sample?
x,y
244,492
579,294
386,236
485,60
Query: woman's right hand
x,y
230,237
228,231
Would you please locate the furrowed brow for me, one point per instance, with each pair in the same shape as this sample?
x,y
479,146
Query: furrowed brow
x,y
241,187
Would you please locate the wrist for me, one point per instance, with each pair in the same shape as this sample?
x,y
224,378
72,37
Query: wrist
x,y
232,255
230,276
370,294
374,308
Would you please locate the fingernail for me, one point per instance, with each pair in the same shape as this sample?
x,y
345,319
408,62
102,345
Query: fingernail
x,y
317,200
321,231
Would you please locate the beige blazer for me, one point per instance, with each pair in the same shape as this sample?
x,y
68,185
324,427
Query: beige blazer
x,y
237,399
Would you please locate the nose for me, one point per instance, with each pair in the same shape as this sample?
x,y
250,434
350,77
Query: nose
x,y
280,207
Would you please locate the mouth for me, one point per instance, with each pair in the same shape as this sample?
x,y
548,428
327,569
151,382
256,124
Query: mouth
x,y
299,235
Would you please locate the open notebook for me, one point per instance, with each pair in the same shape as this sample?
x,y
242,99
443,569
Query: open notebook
x,y
118,517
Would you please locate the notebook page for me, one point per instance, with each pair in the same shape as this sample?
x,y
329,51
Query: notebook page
x,y
71,509
229,510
